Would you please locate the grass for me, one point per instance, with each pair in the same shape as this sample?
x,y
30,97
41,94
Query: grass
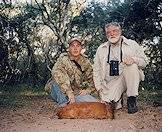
x,y
19,95
149,96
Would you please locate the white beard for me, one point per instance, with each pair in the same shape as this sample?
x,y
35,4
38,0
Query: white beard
x,y
114,40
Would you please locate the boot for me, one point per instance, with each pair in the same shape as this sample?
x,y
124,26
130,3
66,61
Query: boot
x,y
131,104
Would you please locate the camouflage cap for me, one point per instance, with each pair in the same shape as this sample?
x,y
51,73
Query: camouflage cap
x,y
74,39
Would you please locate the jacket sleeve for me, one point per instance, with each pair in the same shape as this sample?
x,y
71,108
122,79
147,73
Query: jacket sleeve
x,y
89,77
140,57
60,75
97,71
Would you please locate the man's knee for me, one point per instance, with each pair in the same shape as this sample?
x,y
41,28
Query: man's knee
x,y
131,67
131,70
132,77
57,95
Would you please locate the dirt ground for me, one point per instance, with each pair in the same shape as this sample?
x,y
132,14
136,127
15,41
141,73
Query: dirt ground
x,y
37,115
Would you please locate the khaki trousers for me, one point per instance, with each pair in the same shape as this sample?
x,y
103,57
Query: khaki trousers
x,y
128,81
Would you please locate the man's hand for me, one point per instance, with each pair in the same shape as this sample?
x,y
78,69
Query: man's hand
x,y
71,99
83,92
100,90
128,61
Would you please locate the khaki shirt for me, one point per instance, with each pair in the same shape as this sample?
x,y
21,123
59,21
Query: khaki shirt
x,y
70,79
130,48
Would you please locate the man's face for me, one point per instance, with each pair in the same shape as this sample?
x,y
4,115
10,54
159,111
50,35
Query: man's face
x,y
75,48
113,34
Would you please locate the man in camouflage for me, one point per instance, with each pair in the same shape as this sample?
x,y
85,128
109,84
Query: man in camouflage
x,y
72,79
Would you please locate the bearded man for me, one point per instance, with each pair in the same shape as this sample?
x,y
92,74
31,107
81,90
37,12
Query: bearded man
x,y
118,65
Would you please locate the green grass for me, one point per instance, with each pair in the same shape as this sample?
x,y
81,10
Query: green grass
x,y
22,89
149,96
19,95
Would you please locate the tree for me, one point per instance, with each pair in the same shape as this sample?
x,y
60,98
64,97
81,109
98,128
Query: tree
x,y
140,20
16,27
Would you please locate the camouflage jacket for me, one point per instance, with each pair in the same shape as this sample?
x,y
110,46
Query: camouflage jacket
x,y
70,78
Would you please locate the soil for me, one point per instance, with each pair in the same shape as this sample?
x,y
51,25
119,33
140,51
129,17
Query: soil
x,y
37,114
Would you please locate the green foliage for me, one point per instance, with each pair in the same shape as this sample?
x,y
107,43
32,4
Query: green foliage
x,y
149,95
140,21
22,63
15,44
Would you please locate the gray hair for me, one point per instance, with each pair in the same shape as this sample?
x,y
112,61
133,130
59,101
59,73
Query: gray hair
x,y
116,24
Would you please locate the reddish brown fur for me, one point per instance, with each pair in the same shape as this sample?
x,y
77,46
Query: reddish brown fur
x,y
85,110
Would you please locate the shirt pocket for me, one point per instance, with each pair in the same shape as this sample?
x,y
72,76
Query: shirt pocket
x,y
128,51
